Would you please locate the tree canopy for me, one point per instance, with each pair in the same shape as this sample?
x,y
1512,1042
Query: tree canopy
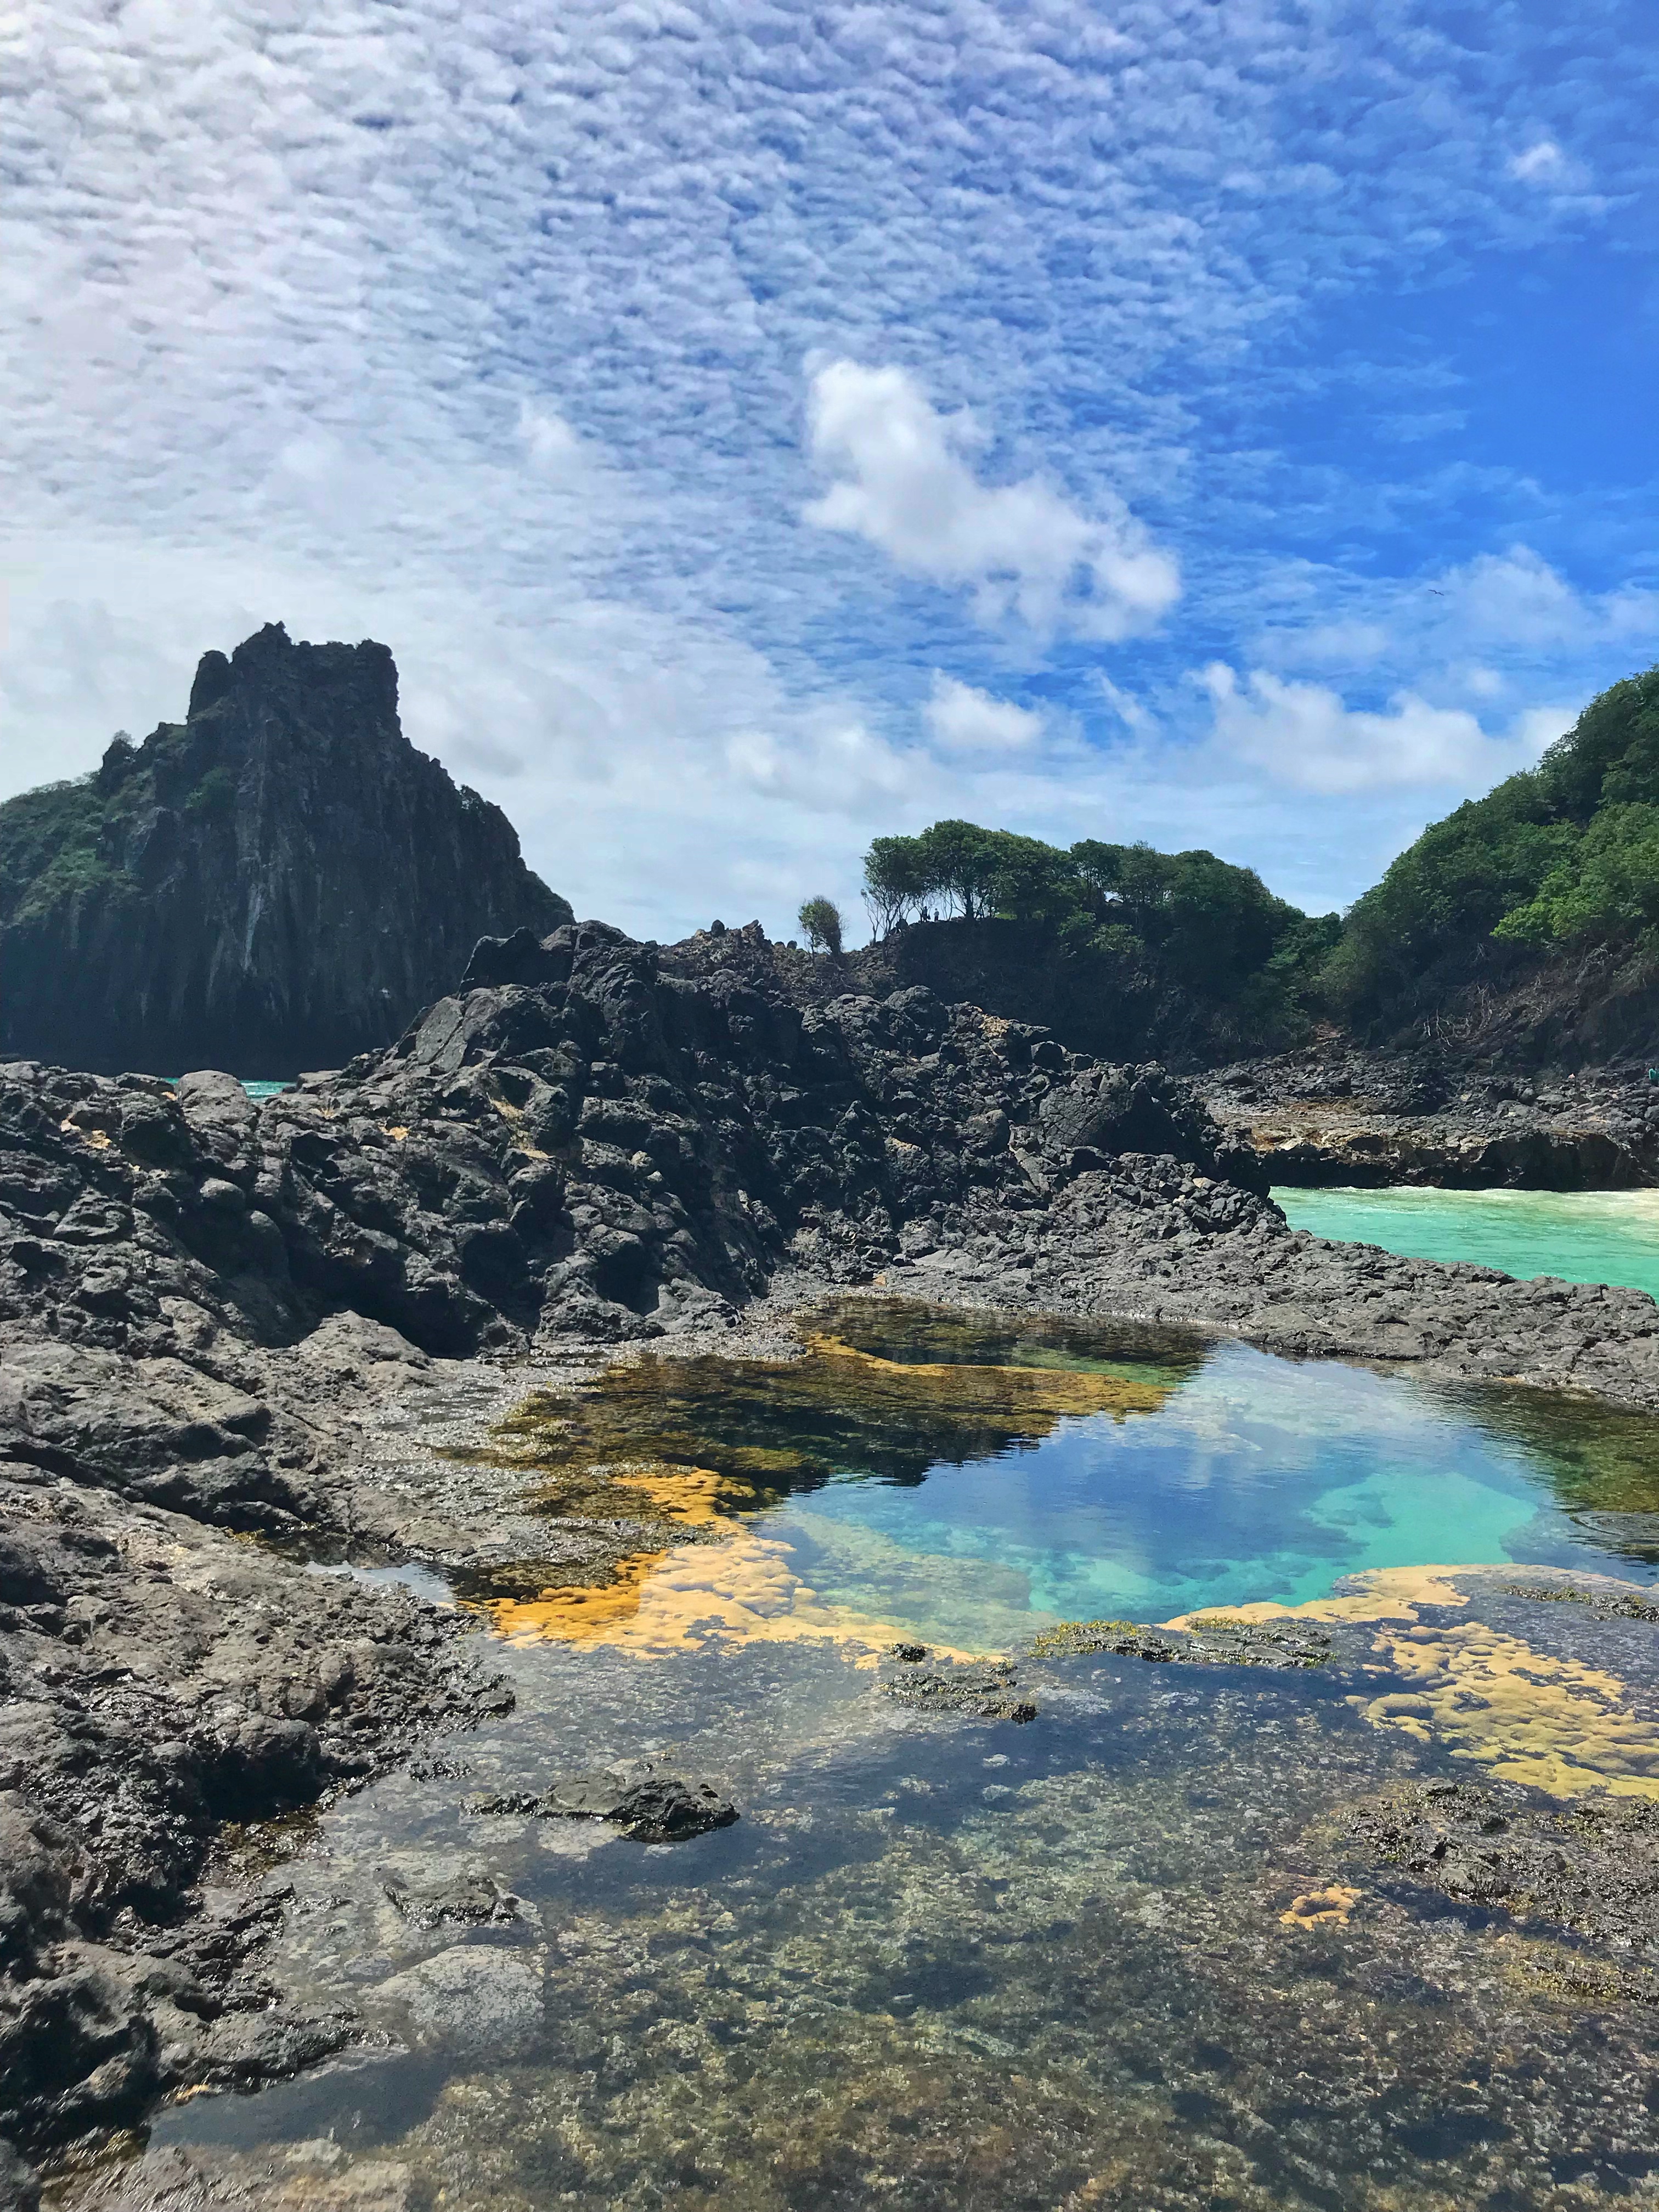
x,y
1183,918
1566,853
819,922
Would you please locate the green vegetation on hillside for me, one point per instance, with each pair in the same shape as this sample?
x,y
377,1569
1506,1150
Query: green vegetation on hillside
x,y
65,841
1124,917
49,845
1564,856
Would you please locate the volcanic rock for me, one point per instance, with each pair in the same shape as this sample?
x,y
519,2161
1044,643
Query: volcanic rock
x,y
276,882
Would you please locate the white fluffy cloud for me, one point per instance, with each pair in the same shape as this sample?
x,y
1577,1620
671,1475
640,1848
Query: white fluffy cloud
x,y
1301,735
902,481
965,720
1516,598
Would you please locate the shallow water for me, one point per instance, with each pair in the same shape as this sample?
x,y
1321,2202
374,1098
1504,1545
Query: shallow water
x,y
1210,1476
1125,1953
1583,1237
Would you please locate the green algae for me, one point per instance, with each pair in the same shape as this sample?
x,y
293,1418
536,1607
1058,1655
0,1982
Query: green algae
x,y
911,1333
693,1440
1597,1457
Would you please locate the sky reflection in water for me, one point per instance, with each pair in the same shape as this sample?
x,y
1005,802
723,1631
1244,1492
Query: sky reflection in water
x,y
1222,1475
1258,1478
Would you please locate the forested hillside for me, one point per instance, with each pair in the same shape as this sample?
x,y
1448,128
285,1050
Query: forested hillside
x,y
1527,920
1524,926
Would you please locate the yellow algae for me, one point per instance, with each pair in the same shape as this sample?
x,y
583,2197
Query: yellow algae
x,y
584,1612
1378,1594
1555,1723
1486,1696
1322,1908
691,1496
742,1587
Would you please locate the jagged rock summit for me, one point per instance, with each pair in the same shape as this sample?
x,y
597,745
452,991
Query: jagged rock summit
x,y
278,882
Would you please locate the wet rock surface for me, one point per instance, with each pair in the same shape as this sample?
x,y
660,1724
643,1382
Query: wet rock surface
x,y
1218,1641
1590,1869
988,1690
650,1808
162,1680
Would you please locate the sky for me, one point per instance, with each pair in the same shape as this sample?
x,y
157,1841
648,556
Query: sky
x,y
755,429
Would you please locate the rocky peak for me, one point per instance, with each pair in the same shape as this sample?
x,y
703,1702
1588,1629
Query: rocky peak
x,y
279,881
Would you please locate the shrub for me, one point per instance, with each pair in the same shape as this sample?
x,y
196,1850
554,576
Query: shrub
x,y
819,922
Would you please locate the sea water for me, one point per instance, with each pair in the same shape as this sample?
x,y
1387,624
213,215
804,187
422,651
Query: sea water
x,y
1583,1237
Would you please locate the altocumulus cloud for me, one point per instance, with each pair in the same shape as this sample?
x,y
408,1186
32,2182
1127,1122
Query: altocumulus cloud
x,y
903,480
482,331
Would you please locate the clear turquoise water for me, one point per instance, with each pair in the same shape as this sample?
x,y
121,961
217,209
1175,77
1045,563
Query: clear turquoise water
x,y
1256,1477
1583,1237
956,1964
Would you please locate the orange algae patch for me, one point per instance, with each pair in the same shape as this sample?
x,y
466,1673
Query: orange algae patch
x,y
1322,1908
743,1589
579,1614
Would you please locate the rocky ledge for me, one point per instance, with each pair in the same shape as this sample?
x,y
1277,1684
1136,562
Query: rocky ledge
x,y
208,1306
1328,1116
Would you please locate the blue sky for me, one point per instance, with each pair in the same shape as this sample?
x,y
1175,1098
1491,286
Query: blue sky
x,y
757,429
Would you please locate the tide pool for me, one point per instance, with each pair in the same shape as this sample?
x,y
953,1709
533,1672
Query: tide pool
x,y
1583,1237
971,1482
1056,1929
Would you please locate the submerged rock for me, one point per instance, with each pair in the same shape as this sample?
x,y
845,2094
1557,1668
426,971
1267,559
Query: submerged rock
x,y
476,2000
651,1809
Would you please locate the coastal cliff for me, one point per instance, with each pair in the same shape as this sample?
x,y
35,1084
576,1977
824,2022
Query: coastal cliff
x,y
1336,1114
278,882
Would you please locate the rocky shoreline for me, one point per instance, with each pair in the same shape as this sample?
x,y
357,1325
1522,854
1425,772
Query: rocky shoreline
x,y
1327,1116
223,1321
